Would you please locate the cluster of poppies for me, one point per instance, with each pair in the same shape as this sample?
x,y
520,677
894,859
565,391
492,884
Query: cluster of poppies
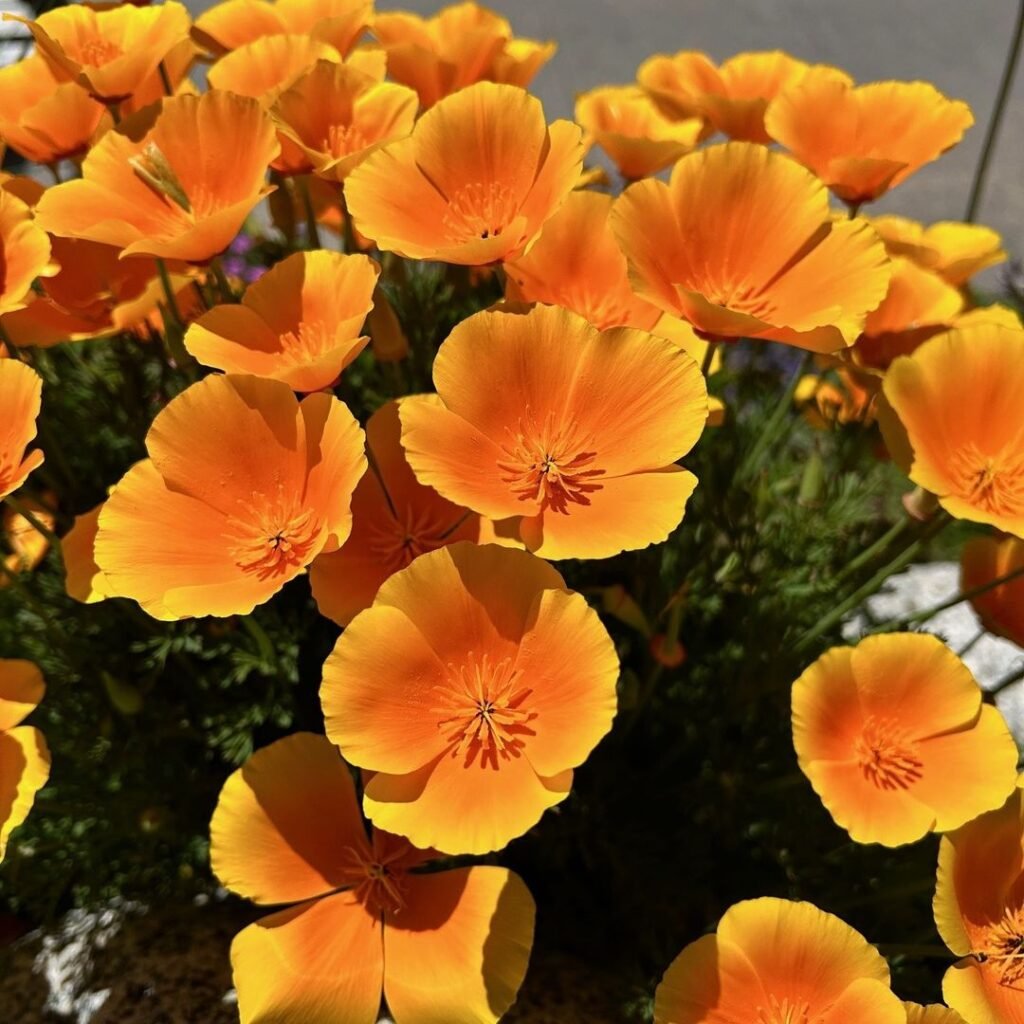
x,y
469,682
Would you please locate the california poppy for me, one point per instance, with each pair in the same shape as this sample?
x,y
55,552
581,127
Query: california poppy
x,y
142,188
43,116
862,141
24,757
394,520
244,486
1001,609
336,115
957,428
732,97
299,323
953,250
267,66
572,429
234,23
110,50
849,399
626,124
24,253
917,1014
82,577
170,78
895,739
472,686
361,918
460,45
21,390
26,545
472,184
742,244
778,962
979,912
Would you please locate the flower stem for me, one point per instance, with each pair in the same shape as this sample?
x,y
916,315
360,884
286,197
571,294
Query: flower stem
x,y
995,122
312,232
709,358
174,329
40,527
868,554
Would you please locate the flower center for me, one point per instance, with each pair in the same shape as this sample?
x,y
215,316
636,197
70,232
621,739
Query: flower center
x,y
343,139
549,464
96,52
785,1012
307,342
378,885
480,210
275,539
481,711
887,757
398,539
1003,947
156,171
993,482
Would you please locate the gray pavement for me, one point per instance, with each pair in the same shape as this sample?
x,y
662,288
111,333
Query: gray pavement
x,y
959,45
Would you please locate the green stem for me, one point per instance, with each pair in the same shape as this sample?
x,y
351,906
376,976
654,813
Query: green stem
x,y
26,513
862,593
312,232
709,358
165,79
868,554
966,595
995,122
223,284
174,330
775,422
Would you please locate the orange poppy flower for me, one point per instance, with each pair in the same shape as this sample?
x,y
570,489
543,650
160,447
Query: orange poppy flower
x,y
732,97
175,67
863,141
394,520
244,486
1000,609
82,577
27,546
95,293
624,121
572,429
917,1014
234,23
150,196
363,919
472,184
472,686
779,962
22,187
979,912
266,67
110,51
24,253
299,323
460,45
24,757
850,400
43,116
336,115
895,740
956,428
953,250
21,390
741,243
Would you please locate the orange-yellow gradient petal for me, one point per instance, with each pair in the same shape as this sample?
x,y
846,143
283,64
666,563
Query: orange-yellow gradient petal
x,y
936,1014
395,519
21,689
320,962
985,560
775,960
472,184
244,487
954,250
893,737
957,398
862,141
625,122
82,577
21,390
150,195
571,428
458,950
284,822
24,769
300,323
435,687
741,243
24,253
264,68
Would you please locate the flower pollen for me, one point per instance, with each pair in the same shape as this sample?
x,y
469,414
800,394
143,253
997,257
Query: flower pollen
x,y
1003,948
480,210
275,539
887,758
993,482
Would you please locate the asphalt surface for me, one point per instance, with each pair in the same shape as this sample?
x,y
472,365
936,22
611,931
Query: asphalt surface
x,y
959,46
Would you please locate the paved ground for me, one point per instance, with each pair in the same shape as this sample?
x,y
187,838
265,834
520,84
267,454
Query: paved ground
x,y
958,46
